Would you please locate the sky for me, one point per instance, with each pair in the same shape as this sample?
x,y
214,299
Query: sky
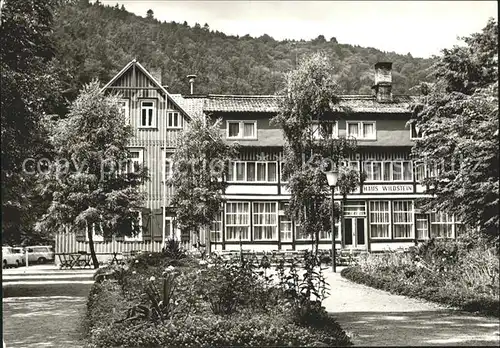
x,y
422,28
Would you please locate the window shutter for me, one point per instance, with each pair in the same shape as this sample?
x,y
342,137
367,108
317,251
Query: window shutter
x,y
185,236
80,234
146,225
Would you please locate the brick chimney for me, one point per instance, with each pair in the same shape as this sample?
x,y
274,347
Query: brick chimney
x,y
383,82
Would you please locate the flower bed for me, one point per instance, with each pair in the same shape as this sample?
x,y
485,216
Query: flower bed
x,y
171,302
454,273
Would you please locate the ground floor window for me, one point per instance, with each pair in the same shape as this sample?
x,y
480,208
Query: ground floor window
x,y
265,221
216,228
285,223
441,225
237,221
403,219
299,233
422,226
379,219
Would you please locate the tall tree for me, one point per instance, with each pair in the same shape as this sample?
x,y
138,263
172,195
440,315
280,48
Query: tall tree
x,y
307,114
459,120
29,87
200,162
92,184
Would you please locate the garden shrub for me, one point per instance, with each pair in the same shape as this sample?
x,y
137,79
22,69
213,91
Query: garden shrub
x,y
211,303
208,331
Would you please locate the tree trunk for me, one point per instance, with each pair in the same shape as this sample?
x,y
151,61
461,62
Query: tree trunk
x,y
92,250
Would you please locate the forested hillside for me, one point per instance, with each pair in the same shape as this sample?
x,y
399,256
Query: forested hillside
x,y
97,41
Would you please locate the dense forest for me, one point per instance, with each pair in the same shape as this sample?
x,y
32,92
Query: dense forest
x,y
93,40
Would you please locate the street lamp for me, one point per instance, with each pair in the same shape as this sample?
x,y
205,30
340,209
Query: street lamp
x,y
332,177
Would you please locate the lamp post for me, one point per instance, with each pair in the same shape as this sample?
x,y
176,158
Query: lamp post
x,y
332,177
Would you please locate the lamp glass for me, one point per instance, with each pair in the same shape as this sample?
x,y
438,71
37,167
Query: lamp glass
x,y
332,177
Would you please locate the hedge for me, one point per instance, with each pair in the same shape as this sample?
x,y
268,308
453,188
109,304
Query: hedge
x,y
479,304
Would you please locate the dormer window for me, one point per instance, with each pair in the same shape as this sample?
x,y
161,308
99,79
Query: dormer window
x,y
148,114
416,131
174,120
324,130
242,129
363,130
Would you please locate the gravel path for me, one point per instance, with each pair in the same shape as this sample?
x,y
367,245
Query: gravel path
x,y
377,318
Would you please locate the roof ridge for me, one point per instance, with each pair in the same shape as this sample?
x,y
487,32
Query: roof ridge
x,y
242,96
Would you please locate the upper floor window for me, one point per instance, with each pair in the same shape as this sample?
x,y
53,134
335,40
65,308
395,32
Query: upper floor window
x,y
427,169
242,129
135,161
148,113
362,130
388,170
415,131
324,130
123,106
174,120
253,171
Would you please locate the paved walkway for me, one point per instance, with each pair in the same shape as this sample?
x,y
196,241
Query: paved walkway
x,y
377,318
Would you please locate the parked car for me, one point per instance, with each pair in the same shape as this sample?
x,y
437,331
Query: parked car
x,y
10,258
40,253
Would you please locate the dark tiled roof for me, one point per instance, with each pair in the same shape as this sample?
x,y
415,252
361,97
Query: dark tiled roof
x,y
193,106
269,103
241,103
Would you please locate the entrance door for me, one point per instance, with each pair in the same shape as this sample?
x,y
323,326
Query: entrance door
x,y
354,232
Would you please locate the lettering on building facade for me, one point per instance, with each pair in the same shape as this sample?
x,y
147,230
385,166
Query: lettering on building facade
x,y
387,188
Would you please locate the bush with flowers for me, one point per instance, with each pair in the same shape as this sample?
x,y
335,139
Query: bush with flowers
x,y
212,302
462,273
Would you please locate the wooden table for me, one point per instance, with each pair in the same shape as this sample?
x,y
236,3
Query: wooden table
x,y
72,260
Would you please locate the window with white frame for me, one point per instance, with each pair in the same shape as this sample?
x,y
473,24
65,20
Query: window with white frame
x,y
403,219
299,233
441,225
427,169
422,226
327,235
242,129
388,170
138,237
253,171
123,106
148,114
174,120
364,130
237,221
416,131
216,228
420,171
324,130
265,221
169,164
285,223
355,208
380,220
135,160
